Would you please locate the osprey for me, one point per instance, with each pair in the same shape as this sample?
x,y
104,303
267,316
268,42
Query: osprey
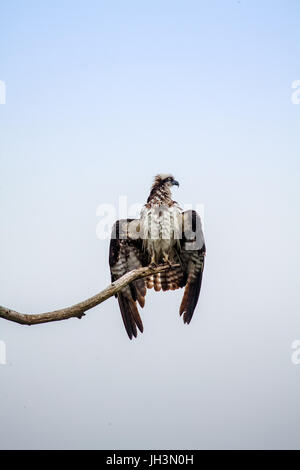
x,y
163,234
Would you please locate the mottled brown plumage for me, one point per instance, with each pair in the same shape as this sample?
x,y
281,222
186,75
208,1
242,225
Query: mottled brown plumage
x,y
162,234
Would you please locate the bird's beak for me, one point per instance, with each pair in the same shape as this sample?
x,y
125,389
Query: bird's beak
x,y
175,183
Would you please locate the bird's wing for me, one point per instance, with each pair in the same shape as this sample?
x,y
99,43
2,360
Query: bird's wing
x,y
125,254
192,257
189,259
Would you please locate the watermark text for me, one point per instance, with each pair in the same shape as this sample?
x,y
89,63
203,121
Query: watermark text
x,y
295,97
2,92
295,357
2,353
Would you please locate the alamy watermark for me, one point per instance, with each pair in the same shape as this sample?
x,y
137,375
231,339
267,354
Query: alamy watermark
x,y
295,96
2,92
109,213
2,353
295,356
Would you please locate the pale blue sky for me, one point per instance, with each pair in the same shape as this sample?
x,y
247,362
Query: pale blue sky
x,y
100,96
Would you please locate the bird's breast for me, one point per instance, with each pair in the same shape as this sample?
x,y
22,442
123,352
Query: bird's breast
x,y
161,227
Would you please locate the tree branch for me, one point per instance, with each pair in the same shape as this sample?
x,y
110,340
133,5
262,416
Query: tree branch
x,y
78,310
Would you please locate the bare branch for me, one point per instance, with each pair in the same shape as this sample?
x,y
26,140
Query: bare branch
x,y
78,310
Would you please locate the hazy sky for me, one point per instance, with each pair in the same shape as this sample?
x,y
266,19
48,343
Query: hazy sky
x,y
101,96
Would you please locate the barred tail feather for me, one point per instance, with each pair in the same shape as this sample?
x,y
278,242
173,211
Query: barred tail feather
x,y
130,315
190,298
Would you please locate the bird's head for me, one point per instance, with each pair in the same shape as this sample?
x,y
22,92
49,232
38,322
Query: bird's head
x,y
161,188
166,180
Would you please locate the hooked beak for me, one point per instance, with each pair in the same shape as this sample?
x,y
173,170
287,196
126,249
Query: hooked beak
x,y
175,183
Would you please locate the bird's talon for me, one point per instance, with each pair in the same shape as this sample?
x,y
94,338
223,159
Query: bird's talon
x,y
167,261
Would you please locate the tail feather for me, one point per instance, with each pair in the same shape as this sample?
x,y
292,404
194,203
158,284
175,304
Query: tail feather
x,y
138,291
190,298
157,282
130,315
164,281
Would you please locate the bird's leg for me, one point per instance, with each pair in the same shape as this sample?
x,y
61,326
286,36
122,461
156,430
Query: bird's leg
x,y
166,259
152,262
179,258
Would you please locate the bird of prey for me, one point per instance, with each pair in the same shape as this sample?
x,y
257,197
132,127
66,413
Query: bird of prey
x,y
162,234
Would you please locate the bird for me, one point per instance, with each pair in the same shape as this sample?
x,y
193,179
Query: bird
x,y
164,234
